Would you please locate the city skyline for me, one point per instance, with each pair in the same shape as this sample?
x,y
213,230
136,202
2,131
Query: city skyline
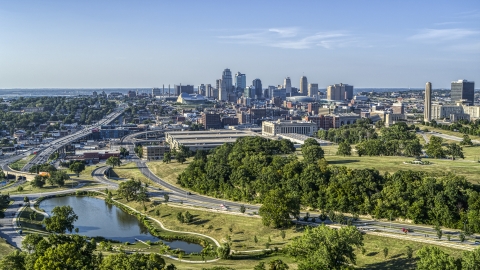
x,y
126,45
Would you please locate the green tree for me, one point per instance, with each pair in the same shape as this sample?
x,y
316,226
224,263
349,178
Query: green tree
x,y
325,248
439,231
166,197
454,150
283,234
62,219
142,196
133,261
471,259
26,199
431,257
113,161
167,157
129,189
223,252
312,153
344,149
38,181
277,264
242,208
180,157
14,261
466,140
259,266
188,217
385,252
124,152
409,252
434,147
77,167
278,207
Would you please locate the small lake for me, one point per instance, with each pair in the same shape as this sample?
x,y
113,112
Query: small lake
x,y
98,218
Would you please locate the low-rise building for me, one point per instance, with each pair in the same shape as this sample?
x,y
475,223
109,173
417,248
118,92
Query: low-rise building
x,y
155,152
273,128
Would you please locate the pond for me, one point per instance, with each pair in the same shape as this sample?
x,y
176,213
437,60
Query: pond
x,y
98,218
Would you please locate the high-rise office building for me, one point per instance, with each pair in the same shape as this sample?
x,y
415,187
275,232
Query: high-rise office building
x,y
427,109
208,90
462,89
202,89
257,84
287,84
156,92
249,92
340,92
240,81
183,89
348,92
312,89
303,86
225,85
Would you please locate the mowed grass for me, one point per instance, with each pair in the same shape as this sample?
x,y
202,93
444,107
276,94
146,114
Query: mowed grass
x,y
448,132
128,171
168,172
19,164
5,248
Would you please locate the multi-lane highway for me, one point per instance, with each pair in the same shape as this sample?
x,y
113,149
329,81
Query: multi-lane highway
x,y
47,149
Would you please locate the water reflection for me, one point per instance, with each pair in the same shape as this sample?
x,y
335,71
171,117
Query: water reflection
x,y
98,218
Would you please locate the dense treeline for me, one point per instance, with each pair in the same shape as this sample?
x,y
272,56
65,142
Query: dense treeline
x,y
462,126
54,109
248,169
397,140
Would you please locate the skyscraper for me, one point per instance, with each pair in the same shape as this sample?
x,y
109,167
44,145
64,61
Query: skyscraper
x,y
257,83
303,86
312,89
240,81
287,84
226,85
156,92
340,92
427,109
462,89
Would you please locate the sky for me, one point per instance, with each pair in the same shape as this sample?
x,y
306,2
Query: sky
x,y
129,44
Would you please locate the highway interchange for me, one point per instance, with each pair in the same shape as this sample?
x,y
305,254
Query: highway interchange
x,y
178,194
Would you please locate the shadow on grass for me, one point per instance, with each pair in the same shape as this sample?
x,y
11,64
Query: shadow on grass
x,y
398,263
200,221
371,254
346,161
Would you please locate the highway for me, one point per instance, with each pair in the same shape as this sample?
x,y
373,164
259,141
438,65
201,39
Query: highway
x,y
47,149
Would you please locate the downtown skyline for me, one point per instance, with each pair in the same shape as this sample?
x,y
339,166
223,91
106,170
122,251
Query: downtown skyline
x,y
363,43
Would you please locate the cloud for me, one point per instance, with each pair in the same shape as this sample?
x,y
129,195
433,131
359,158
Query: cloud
x,y
443,34
291,38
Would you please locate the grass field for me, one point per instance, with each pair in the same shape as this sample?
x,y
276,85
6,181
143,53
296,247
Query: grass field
x,y
5,248
168,172
128,171
19,164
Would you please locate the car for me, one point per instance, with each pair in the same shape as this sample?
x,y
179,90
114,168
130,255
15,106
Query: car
x,y
189,193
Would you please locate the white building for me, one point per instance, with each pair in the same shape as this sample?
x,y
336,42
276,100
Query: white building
x,y
273,128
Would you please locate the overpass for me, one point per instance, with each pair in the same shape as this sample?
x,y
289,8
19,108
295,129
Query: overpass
x,y
59,144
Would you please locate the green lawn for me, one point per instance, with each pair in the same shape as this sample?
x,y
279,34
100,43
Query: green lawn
x,y
168,172
19,164
5,248
448,132
128,171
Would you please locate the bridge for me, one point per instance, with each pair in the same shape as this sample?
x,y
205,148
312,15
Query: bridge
x,y
61,143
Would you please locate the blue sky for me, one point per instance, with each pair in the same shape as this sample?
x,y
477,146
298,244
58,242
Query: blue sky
x,y
89,44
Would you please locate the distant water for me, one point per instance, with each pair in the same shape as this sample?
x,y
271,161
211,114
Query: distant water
x,y
69,92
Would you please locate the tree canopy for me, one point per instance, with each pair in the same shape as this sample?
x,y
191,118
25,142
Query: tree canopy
x,y
62,219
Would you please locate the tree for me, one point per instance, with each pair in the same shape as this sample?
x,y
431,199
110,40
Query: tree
x,y
223,251
439,231
129,189
26,199
409,252
167,157
180,157
133,261
38,181
242,209
277,264
259,266
454,150
325,248
434,147
466,140
278,207
14,261
62,219
312,153
255,239
77,167
344,149
139,151
431,257
471,259
166,197
142,196
124,152
283,234
113,161
188,217
385,252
